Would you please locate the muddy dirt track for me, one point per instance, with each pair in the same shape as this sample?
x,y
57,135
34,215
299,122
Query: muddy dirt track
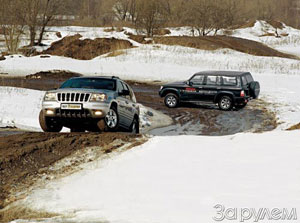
x,y
23,155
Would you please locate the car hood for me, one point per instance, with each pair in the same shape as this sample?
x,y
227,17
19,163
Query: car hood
x,y
80,90
177,84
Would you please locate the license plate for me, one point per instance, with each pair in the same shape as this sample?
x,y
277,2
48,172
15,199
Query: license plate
x,y
71,106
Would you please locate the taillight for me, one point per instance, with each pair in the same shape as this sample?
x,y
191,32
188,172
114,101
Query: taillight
x,y
242,93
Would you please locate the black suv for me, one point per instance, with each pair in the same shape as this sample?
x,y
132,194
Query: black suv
x,y
228,89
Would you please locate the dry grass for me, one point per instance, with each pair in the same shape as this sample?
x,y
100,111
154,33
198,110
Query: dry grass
x,y
294,127
74,47
275,24
221,42
161,32
116,53
13,213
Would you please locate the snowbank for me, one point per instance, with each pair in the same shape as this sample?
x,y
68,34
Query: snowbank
x,y
148,62
180,179
20,108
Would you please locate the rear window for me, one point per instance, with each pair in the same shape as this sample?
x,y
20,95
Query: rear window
x,y
90,83
230,81
249,78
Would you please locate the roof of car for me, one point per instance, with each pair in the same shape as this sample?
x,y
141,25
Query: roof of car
x,y
223,73
100,77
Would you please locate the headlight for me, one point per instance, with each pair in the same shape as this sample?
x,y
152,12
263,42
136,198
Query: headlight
x,y
98,97
161,87
50,97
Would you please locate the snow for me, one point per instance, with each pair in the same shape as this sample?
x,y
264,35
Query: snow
x,y
20,108
180,179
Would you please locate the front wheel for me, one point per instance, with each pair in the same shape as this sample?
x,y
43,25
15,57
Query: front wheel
x,y
135,127
225,103
171,100
48,124
112,119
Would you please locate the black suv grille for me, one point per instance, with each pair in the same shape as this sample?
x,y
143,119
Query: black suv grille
x,y
73,97
73,113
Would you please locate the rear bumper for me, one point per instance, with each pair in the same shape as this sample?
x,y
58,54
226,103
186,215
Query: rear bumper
x,y
242,100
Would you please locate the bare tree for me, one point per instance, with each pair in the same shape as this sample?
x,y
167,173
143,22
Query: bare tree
x,y
12,23
48,10
150,15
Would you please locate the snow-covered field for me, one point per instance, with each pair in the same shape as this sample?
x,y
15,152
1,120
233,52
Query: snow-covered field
x,y
181,178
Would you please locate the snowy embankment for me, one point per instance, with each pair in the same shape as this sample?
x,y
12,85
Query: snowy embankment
x,y
20,108
179,179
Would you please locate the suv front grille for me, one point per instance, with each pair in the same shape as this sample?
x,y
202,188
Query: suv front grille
x,y
73,113
73,97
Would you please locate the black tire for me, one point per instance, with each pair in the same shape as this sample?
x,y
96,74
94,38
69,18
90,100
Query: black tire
x,y
225,103
77,130
135,126
48,124
254,88
171,100
112,119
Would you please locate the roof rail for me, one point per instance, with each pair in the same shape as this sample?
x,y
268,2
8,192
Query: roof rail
x,y
115,77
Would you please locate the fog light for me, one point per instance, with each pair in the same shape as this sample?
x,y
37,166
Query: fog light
x,y
98,113
49,112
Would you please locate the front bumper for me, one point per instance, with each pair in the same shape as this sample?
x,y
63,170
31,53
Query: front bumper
x,y
89,110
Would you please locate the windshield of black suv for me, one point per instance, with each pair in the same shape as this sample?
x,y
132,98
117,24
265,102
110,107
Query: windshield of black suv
x,y
90,83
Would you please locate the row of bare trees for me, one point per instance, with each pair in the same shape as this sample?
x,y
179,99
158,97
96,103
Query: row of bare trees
x,y
20,16
204,16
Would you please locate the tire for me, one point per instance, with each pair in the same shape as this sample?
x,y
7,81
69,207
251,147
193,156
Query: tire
x,y
225,103
77,130
135,127
254,87
171,100
48,124
112,119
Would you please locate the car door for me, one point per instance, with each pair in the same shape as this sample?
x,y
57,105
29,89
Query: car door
x,y
212,85
121,104
195,93
130,105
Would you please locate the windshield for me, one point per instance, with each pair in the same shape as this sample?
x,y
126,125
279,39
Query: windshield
x,y
90,83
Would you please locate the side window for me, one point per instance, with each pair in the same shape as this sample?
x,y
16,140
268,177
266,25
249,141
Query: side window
x,y
213,80
198,80
244,81
120,87
132,96
126,88
249,78
230,81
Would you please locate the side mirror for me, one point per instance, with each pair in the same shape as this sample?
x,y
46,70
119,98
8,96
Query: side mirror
x,y
124,93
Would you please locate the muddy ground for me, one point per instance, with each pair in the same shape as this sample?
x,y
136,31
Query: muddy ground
x,y
25,158
24,155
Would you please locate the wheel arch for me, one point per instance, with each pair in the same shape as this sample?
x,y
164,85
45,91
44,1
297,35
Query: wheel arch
x,y
170,90
224,93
